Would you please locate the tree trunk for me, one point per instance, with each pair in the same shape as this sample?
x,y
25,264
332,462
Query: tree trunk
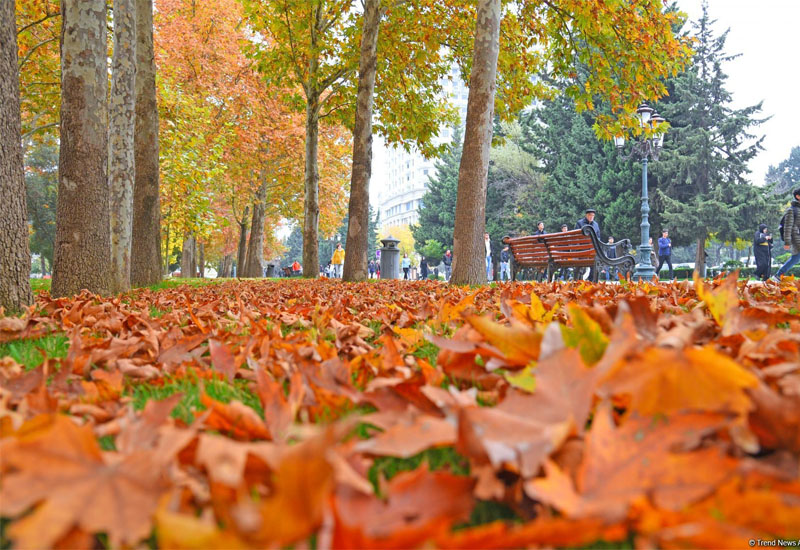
x,y
225,266
699,258
241,258
120,143
255,251
146,237
355,262
468,249
188,255
82,245
166,242
15,254
311,203
201,260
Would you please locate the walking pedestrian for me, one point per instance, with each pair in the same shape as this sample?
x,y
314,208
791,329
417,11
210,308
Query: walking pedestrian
x,y
762,249
488,245
664,252
505,268
448,264
338,261
423,268
405,263
371,269
791,234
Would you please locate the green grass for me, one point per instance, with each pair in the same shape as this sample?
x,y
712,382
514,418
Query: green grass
x,y
31,352
155,313
176,282
38,285
428,351
190,402
439,458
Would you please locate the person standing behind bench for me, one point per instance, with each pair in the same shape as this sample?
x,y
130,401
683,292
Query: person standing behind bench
x,y
588,219
664,252
762,249
505,270
539,229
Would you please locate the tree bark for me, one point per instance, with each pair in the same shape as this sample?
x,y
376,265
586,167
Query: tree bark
x,y
700,256
225,266
355,262
241,258
15,255
188,257
201,260
146,236
311,185
469,265
255,251
83,247
120,143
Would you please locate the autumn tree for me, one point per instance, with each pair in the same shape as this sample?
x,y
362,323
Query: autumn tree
x,y
639,38
82,254
146,232
121,123
15,256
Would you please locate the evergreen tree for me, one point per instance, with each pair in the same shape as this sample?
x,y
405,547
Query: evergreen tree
x,y
294,247
437,213
785,176
703,168
581,172
372,242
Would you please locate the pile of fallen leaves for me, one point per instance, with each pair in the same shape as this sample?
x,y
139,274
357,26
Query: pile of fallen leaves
x,y
399,415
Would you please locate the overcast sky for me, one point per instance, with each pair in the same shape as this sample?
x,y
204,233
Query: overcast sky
x,y
767,36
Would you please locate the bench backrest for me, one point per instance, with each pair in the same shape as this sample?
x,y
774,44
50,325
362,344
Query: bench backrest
x,y
568,248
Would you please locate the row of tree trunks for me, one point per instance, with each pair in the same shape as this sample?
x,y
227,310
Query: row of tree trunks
x,y
15,256
82,244
146,234
355,262
253,267
468,249
121,122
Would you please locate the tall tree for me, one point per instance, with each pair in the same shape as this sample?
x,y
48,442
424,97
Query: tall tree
x,y
146,234
15,256
82,221
355,263
121,123
703,168
253,266
41,182
468,264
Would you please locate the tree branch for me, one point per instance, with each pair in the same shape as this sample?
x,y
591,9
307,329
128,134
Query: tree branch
x,y
34,23
33,49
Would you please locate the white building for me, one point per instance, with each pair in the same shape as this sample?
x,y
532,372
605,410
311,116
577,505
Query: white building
x,y
398,177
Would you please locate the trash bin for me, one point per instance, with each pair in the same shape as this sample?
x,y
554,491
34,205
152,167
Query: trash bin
x,y
390,258
271,270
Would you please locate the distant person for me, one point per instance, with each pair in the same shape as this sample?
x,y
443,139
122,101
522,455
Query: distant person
x,y
296,269
447,260
338,261
405,263
611,271
423,268
588,220
762,249
664,252
487,243
505,267
371,269
539,229
653,254
564,228
791,235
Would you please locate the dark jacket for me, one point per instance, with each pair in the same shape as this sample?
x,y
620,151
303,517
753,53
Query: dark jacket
x,y
581,223
504,256
664,246
540,232
447,260
611,250
423,266
791,227
762,247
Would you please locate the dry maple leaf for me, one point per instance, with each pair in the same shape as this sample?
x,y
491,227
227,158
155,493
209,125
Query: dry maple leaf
x,y
666,381
412,433
58,467
419,506
640,458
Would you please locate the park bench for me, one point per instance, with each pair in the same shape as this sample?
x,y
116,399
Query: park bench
x,y
569,249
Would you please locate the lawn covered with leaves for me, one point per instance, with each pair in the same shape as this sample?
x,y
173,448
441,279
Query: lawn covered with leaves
x,y
397,414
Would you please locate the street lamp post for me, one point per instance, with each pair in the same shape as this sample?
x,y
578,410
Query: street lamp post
x,y
647,146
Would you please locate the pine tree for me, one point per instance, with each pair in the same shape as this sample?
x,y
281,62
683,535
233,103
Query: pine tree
x,y
703,168
785,176
438,208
